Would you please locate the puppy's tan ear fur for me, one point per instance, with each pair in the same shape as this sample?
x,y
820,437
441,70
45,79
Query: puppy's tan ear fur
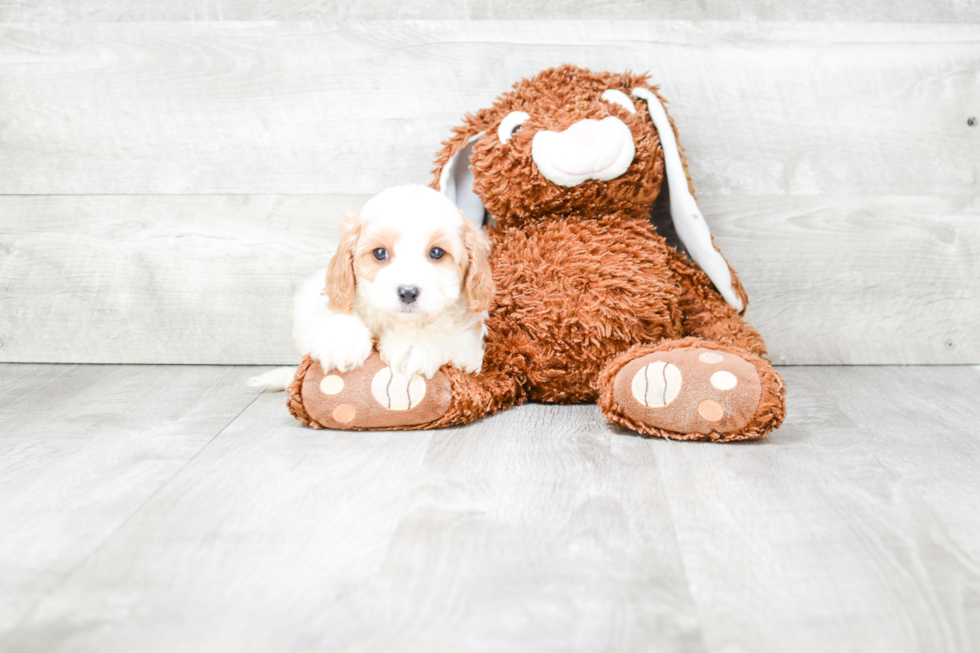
x,y
341,283
478,282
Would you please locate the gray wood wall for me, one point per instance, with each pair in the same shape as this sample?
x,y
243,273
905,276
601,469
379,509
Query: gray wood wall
x,y
170,171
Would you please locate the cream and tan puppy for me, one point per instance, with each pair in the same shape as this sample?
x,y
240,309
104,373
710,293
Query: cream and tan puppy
x,y
411,274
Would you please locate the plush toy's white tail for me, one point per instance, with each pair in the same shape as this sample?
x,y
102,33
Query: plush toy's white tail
x,y
275,380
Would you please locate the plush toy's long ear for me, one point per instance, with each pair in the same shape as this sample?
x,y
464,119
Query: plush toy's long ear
x,y
455,180
691,228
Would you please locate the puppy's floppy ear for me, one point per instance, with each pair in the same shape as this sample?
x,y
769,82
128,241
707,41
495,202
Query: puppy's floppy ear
x,y
478,280
340,272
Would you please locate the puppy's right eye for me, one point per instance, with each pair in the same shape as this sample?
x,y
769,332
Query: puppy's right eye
x,y
381,254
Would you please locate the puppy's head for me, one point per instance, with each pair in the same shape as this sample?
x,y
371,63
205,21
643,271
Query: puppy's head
x,y
410,253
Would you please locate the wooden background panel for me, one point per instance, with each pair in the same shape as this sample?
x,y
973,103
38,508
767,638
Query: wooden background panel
x,y
763,109
158,279
874,280
209,279
227,10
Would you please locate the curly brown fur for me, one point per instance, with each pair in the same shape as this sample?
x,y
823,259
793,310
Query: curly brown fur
x,y
574,293
707,315
294,394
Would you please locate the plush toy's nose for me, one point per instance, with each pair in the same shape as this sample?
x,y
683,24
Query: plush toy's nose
x,y
584,132
588,149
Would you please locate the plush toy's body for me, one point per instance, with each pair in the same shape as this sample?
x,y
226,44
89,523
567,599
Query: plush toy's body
x,y
592,303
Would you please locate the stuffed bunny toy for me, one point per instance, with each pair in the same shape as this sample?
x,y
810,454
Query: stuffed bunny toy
x,y
609,288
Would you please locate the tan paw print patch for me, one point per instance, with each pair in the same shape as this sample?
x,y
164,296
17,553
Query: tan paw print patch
x,y
689,390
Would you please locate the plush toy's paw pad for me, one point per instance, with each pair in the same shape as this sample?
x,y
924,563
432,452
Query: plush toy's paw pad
x,y
396,391
689,390
657,384
373,397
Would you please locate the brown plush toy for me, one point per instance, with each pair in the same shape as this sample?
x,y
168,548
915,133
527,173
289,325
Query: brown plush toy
x,y
570,171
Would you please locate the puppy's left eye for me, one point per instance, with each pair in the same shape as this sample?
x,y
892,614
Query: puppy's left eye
x,y
381,254
436,253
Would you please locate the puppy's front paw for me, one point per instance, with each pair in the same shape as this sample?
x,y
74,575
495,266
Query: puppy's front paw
x,y
344,357
343,347
412,359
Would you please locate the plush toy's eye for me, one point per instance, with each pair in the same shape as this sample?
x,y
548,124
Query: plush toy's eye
x,y
511,125
381,254
436,253
620,98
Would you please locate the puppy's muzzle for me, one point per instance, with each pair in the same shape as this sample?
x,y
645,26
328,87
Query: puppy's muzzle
x,y
408,294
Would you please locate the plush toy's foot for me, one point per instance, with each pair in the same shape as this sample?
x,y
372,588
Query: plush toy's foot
x,y
691,389
371,397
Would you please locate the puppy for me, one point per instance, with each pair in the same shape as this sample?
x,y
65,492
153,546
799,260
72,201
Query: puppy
x,y
411,274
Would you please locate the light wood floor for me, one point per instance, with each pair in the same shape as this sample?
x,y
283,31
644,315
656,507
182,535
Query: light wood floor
x,y
172,508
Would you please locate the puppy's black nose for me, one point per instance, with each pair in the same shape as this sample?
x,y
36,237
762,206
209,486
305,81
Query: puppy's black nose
x,y
408,294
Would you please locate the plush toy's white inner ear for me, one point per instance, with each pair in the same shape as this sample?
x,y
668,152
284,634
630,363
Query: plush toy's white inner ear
x,y
456,183
620,98
688,221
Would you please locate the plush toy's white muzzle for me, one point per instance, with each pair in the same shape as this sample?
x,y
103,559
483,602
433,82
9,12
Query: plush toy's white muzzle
x,y
589,149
